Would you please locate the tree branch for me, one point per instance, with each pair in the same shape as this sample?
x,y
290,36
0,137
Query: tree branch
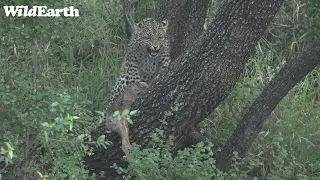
x,y
248,128
202,78
186,19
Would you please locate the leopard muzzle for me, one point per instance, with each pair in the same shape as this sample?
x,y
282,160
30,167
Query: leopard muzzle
x,y
153,50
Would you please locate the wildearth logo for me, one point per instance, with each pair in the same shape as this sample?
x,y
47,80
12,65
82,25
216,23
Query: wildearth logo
x,y
40,11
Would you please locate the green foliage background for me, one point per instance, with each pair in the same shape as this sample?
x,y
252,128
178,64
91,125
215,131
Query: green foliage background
x,y
53,70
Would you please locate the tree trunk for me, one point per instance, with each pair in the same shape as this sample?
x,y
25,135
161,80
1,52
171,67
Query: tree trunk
x,y
186,19
251,124
199,80
203,77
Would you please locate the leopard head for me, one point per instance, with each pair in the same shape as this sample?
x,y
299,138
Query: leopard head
x,y
152,36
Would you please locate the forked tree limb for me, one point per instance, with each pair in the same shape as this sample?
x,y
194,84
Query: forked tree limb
x,y
251,124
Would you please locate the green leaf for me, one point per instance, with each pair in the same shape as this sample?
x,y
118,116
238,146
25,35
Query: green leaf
x,y
116,113
252,163
235,153
10,154
46,136
69,118
129,121
100,113
61,109
53,110
133,112
125,113
54,104
39,173
101,139
10,150
9,146
70,126
45,124
81,137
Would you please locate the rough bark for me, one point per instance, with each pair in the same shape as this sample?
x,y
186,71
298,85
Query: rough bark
x,y
203,77
186,19
199,80
186,22
252,122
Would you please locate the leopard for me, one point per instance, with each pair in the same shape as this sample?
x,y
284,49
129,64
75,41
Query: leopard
x,y
148,54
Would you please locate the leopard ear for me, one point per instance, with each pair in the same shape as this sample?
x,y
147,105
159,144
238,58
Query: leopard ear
x,y
138,25
165,23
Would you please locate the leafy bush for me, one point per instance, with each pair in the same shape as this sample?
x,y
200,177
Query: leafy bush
x,y
43,133
160,163
46,100
198,163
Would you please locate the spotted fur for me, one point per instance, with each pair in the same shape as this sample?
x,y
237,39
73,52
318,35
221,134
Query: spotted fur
x,y
147,55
